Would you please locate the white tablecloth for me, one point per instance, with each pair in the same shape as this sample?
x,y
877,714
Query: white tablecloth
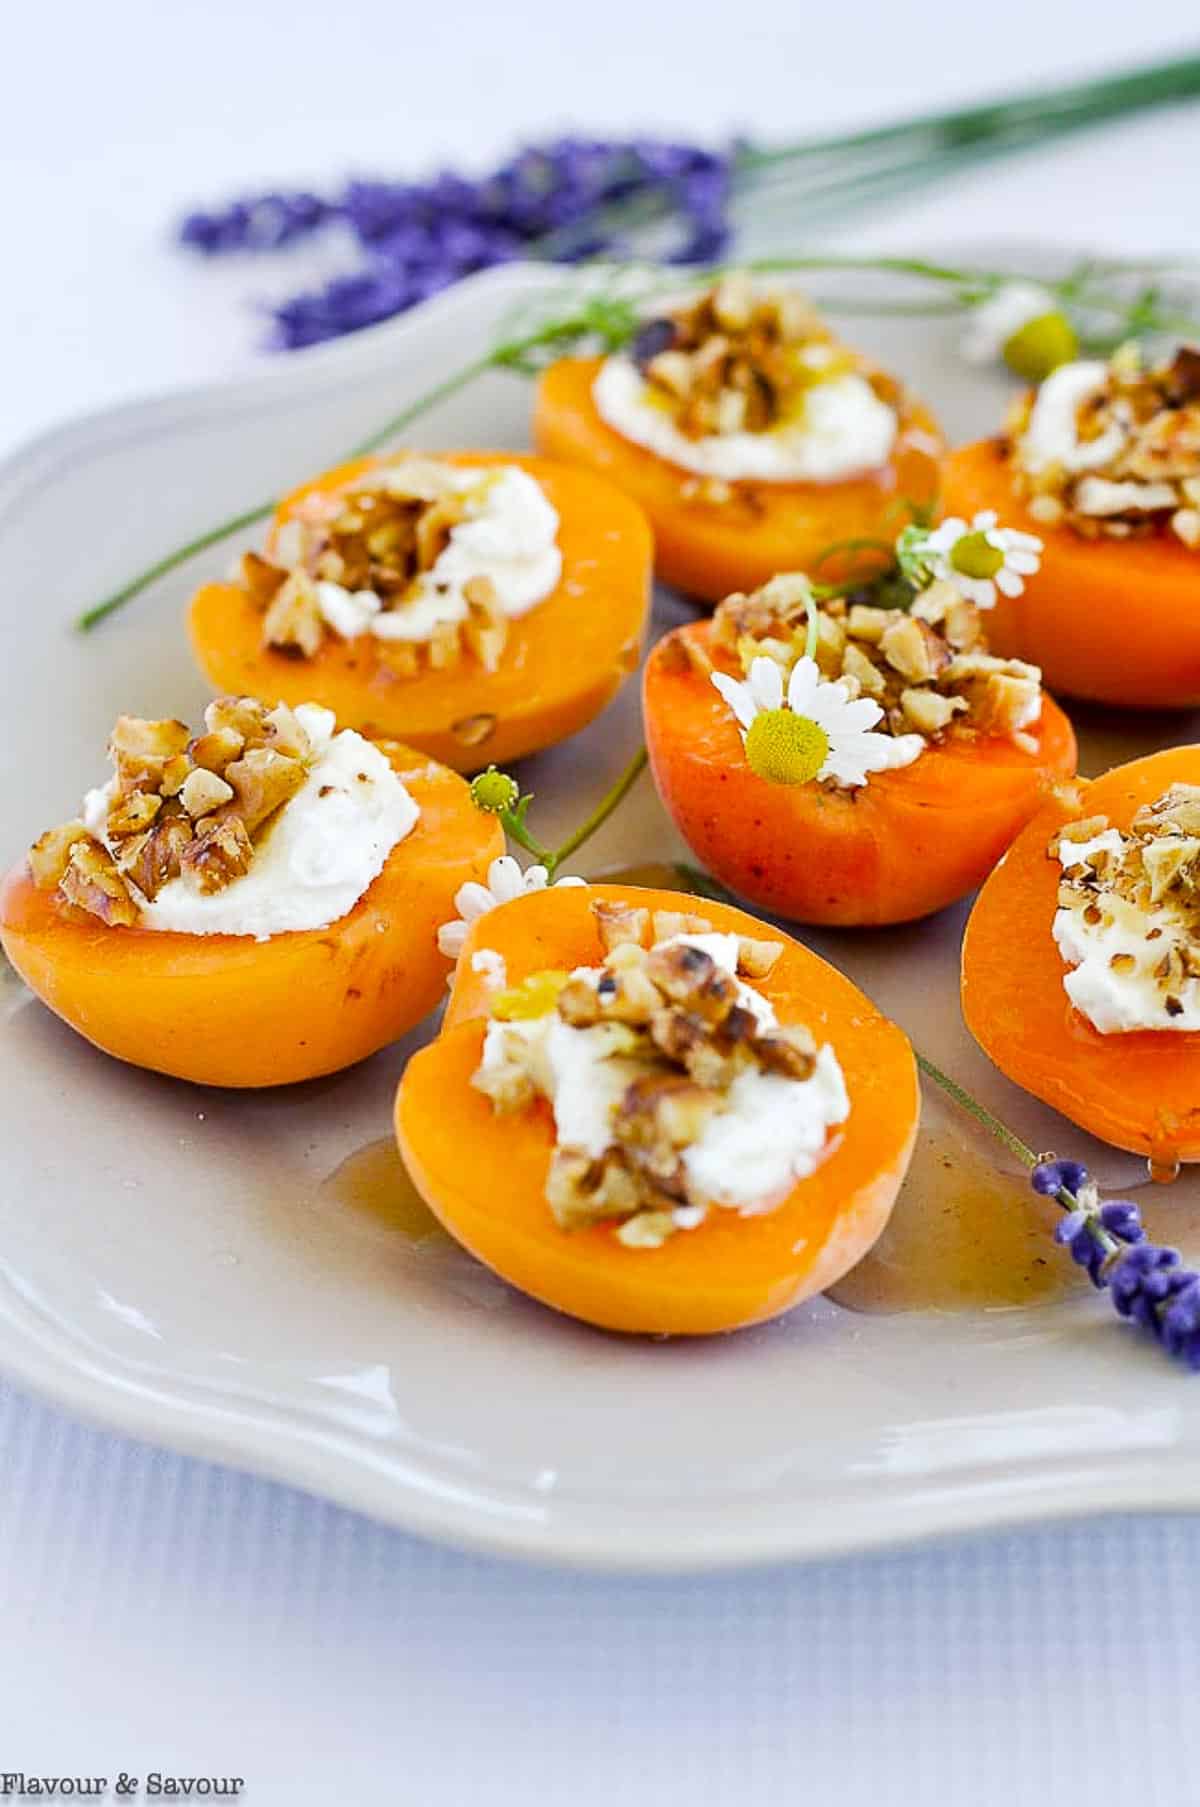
x,y
158,1614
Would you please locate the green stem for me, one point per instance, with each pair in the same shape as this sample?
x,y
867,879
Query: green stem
x,y
1005,1136
504,355
110,604
600,814
432,398
1157,84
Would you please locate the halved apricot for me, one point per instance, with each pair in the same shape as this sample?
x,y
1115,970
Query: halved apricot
x,y
484,1175
562,662
1138,1090
228,1010
712,548
901,846
1114,621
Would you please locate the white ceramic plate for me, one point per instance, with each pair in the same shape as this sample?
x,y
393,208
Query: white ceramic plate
x,y
225,1273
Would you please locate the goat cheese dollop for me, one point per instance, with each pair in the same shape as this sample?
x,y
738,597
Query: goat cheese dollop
x,y
841,427
510,535
1052,435
772,1132
1125,996
314,859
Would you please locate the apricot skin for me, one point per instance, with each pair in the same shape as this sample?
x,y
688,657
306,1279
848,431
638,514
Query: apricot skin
x,y
1112,621
907,843
1138,1091
227,1010
484,1175
710,549
563,662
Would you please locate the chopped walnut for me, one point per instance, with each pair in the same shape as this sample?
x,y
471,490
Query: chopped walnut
x,y
914,649
1149,422
151,860
132,814
620,923
738,359
679,1021
1151,869
376,539
220,852
141,750
178,807
91,882
292,623
928,667
50,853
259,578
202,792
261,781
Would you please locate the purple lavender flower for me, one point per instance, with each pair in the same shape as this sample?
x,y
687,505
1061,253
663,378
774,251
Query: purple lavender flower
x,y
550,200
1049,1177
1148,1283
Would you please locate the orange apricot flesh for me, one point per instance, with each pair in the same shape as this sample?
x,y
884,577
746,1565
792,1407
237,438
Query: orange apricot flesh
x,y
710,549
1138,1090
231,1011
562,662
906,843
484,1175
1113,621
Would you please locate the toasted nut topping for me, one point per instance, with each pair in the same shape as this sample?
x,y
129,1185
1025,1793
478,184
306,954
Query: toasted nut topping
x,y
757,958
737,360
91,882
51,851
679,1022
619,923
1144,426
292,623
132,814
203,792
259,578
244,716
284,733
141,750
150,861
174,774
912,648
221,852
929,713
214,750
262,780
666,923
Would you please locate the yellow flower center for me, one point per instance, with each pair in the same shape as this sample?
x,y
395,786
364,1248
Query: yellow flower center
x,y
785,748
975,556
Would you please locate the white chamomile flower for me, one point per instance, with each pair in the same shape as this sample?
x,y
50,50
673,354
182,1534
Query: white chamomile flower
x,y
505,880
819,732
979,558
1023,326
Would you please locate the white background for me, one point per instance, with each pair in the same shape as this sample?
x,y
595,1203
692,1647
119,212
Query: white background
x,y
155,1613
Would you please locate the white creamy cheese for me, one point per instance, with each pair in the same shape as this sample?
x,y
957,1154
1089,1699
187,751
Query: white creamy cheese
x,y
1051,436
1119,1001
842,428
772,1133
510,535
316,857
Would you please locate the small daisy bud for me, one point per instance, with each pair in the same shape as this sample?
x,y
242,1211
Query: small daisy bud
x,y
1040,346
494,791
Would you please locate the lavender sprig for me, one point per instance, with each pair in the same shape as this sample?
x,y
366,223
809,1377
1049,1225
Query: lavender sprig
x,y
563,202
575,198
1147,1282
